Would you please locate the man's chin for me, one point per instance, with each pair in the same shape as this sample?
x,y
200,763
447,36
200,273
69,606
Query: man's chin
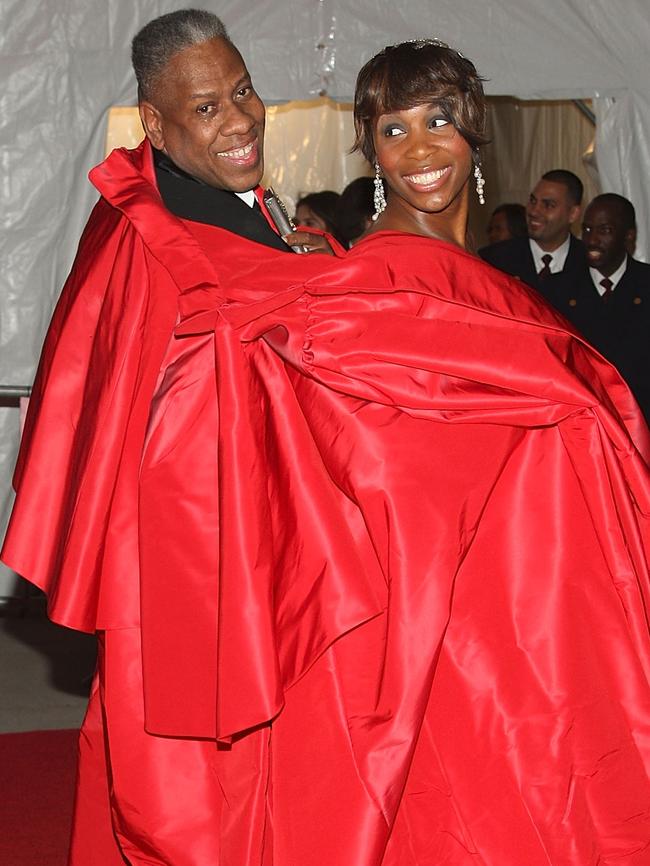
x,y
242,182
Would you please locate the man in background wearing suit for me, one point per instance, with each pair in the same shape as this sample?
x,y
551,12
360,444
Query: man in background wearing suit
x,y
550,259
621,285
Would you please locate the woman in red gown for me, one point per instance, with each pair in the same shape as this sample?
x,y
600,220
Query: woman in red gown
x,y
494,477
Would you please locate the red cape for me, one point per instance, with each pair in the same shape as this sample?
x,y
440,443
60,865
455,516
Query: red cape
x,y
117,544
415,514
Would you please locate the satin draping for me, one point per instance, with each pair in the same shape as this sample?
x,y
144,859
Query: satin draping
x,y
391,546
500,467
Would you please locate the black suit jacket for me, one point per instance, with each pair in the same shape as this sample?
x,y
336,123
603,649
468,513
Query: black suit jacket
x,y
567,291
621,331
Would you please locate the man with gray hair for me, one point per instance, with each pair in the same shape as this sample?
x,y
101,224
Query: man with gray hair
x,y
120,455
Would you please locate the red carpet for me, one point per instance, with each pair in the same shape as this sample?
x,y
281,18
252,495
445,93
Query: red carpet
x,y
37,776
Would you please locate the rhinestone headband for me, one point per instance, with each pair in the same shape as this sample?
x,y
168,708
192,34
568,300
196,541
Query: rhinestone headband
x,y
423,43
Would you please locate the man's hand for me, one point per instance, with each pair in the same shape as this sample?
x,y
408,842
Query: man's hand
x,y
311,242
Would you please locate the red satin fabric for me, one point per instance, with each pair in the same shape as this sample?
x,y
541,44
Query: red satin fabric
x,y
387,598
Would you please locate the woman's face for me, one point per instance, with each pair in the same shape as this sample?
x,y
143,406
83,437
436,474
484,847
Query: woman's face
x,y
305,216
425,160
498,228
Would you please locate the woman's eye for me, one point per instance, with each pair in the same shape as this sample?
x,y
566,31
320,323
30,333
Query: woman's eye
x,y
438,122
392,130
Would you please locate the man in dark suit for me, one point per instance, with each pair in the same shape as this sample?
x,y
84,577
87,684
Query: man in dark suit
x,y
621,285
550,259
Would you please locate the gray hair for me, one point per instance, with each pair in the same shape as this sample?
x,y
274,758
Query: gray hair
x,y
159,40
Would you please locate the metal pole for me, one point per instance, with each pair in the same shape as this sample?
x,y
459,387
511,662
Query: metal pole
x,y
588,112
15,391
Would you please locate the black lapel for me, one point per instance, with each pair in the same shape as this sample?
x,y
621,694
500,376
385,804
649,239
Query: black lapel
x,y
528,272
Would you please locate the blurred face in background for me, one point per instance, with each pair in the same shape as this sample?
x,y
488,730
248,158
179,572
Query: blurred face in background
x,y
498,228
305,216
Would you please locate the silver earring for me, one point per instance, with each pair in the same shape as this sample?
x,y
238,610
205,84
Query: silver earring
x,y
480,182
379,197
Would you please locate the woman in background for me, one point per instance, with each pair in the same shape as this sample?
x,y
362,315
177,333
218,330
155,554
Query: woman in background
x,y
319,210
507,221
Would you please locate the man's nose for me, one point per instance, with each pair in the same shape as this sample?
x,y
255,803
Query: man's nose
x,y
237,121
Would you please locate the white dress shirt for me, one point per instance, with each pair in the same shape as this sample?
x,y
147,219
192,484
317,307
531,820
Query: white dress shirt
x,y
558,256
248,197
616,277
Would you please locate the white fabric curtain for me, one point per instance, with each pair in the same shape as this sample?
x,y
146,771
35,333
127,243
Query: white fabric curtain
x,y
623,156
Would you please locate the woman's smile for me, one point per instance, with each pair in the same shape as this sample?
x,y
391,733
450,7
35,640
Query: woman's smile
x,y
430,179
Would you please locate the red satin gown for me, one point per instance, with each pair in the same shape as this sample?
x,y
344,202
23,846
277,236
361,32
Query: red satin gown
x,y
366,541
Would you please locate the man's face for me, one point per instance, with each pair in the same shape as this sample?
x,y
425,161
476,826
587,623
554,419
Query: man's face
x,y
207,118
605,237
549,214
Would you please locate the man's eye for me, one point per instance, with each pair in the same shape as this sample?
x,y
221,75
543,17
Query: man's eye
x,y
243,92
205,109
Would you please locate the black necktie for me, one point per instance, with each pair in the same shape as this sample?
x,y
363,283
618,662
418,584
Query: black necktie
x,y
546,270
607,284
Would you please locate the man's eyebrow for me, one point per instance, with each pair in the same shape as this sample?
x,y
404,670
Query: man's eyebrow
x,y
245,79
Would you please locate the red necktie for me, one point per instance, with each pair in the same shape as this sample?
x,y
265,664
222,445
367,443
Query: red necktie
x,y
546,270
607,284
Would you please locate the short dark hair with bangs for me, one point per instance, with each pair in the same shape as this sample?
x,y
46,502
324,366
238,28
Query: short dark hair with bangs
x,y
415,73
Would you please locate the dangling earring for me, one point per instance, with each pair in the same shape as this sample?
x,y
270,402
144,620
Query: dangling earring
x,y
379,197
478,176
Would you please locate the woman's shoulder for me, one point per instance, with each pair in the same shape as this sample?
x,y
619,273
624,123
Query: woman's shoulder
x,y
390,261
